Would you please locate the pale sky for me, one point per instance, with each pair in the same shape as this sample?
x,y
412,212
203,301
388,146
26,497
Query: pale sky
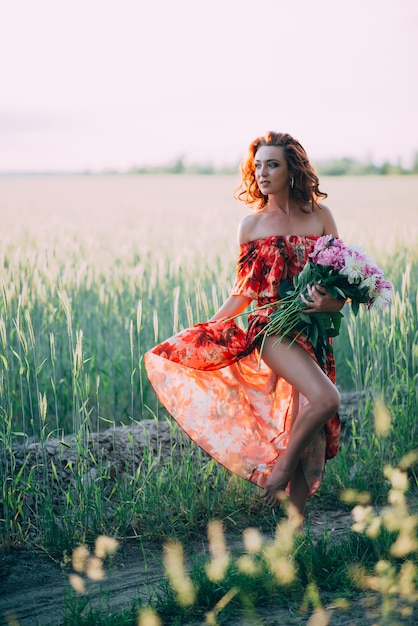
x,y
96,84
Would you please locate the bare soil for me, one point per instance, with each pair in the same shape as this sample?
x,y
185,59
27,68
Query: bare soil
x,y
34,589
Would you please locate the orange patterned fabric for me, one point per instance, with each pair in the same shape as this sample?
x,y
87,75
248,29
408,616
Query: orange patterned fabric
x,y
211,380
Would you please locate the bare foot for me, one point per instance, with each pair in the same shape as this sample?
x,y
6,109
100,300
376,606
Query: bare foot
x,y
276,483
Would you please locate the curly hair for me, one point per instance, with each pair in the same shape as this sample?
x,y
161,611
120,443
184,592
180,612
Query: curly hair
x,y
305,188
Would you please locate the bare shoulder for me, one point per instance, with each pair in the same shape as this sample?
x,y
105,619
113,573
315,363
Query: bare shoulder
x,y
324,213
246,228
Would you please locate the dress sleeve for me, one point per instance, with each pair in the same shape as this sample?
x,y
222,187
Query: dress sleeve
x,y
247,282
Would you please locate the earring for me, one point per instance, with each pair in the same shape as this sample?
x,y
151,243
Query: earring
x,y
292,182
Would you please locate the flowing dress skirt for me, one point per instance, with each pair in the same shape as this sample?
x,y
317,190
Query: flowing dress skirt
x,y
211,380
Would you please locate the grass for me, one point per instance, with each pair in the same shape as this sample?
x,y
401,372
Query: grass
x,y
85,295
110,284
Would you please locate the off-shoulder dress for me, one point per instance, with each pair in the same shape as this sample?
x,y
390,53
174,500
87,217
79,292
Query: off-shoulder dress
x,y
211,381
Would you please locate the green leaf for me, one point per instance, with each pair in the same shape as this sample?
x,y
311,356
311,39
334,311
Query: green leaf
x,y
340,293
321,322
337,317
305,317
332,332
314,334
54,471
354,306
332,291
284,287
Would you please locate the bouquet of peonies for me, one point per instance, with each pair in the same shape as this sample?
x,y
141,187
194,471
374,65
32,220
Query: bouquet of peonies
x,y
346,272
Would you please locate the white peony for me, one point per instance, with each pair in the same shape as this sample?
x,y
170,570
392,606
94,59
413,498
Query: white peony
x,y
353,269
381,299
369,282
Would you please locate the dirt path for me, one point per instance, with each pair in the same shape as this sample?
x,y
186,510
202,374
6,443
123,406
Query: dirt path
x,y
33,588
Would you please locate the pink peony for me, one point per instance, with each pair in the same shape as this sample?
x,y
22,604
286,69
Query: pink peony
x,y
329,251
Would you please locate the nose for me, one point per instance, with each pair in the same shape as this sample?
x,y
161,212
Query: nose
x,y
262,170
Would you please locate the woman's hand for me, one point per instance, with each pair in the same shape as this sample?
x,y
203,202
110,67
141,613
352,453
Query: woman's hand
x,y
322,301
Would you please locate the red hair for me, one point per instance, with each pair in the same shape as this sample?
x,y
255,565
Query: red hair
x,y
305,188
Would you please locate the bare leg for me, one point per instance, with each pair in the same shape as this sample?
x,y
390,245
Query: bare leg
x,y
296,366
299,489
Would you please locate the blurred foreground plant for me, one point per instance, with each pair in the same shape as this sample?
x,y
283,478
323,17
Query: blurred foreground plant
x,y
379,556
394,578
91,565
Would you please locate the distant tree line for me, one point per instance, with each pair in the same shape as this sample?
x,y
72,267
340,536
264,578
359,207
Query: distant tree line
x,y
352,167
179,167
344,166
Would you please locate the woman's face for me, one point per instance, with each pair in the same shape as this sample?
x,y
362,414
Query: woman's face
x,y
271,171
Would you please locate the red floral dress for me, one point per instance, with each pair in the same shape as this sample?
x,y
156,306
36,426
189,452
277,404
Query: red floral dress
x,y
211,380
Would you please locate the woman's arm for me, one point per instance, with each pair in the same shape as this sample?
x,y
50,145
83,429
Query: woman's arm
x,y
232,306
236,303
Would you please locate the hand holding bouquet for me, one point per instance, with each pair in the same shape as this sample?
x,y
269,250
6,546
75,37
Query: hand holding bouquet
x,y
346,272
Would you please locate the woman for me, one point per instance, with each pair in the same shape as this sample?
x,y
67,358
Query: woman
x,y
276,423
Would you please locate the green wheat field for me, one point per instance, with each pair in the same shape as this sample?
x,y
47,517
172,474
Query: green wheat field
x,y
96,270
